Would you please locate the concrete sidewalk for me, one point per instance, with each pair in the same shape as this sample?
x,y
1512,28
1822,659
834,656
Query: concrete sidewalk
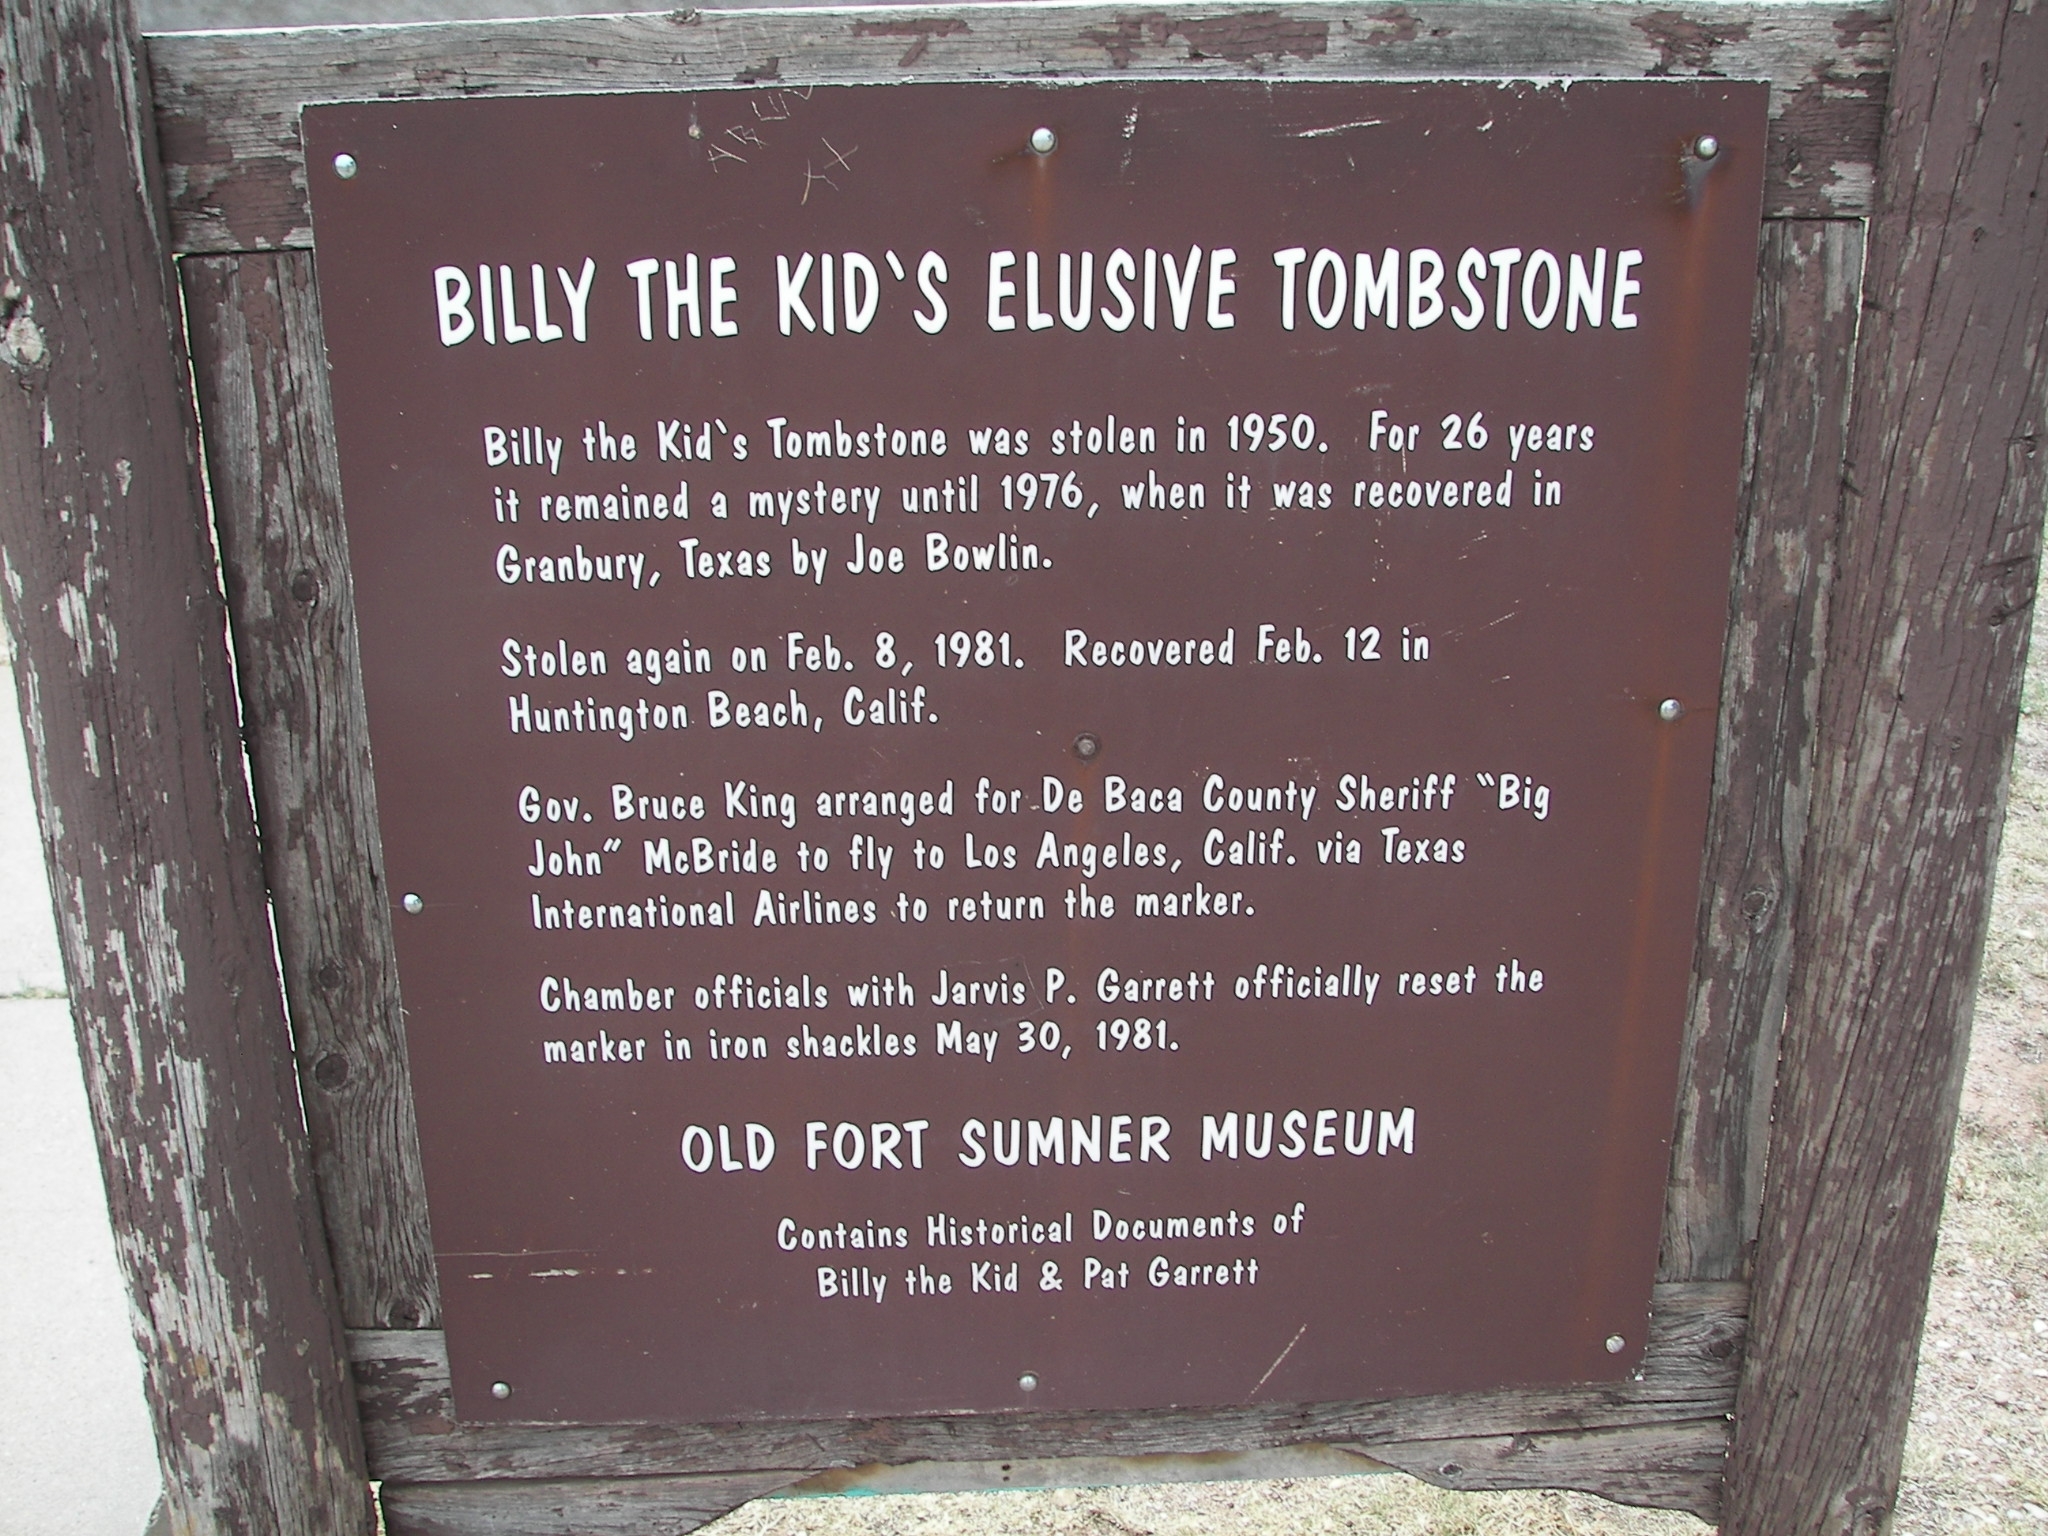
x,y
77,1457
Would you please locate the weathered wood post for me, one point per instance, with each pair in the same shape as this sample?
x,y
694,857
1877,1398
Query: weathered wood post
x,y
1911,598
1935,571
122,663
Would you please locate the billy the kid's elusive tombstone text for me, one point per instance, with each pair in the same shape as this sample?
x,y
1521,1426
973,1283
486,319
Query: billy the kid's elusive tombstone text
x,y
1041,746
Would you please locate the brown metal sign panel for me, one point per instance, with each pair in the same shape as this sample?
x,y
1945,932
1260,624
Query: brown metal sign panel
x,y
1041,747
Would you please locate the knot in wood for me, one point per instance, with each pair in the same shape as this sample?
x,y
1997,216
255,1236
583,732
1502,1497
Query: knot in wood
x,y
1868,1511
305,587
331,1071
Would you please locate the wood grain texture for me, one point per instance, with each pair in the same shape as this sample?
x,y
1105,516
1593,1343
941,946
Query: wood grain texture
x,y
1928,621
268,429
595,1506
1664,1466
408,1417
230,102
129,710
1808,299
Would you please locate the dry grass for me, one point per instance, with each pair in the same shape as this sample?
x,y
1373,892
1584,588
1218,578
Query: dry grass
x,y
1977,1456
1326,1506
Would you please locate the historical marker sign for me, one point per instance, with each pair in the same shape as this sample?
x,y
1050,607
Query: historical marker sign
x,y
1037,775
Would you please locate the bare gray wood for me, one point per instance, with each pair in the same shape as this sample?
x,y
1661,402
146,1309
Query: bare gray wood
x,y
230,101
1082,1470
1928,621
128,706
1808,298
1664,1466
632,1506
267,423
409,1418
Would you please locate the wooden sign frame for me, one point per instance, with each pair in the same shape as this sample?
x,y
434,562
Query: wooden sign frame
x,y
255,1128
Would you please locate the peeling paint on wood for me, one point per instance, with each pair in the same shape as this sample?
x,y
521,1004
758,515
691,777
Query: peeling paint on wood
x,y
920,30
1927,634
1687,45
1807,305
129,713
230,102
261,373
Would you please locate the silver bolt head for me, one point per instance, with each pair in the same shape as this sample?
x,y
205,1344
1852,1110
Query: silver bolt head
x,y
345,167
1044,141
1616,1343
1028,1382
501,1390
1671,709
413,903
1706,146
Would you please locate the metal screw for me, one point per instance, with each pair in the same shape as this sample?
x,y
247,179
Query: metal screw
x,y
413,904
1616,1343
1671,709
1706,146
1028,1381
345,167
501,1390
1087,746
1044,141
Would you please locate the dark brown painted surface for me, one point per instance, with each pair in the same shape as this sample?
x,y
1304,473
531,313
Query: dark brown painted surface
x,y
582,1262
